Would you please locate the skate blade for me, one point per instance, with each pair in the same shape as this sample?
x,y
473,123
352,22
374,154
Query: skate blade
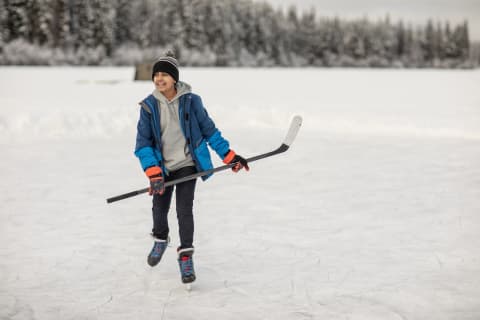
x,y
188,287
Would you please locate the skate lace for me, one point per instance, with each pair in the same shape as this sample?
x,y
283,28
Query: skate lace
x,y
186,265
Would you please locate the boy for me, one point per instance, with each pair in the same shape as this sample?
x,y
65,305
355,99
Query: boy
x,y
172,136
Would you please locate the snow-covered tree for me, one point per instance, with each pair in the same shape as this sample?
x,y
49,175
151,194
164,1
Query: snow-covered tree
x,y
103,22
123,22
60,27
229,32
4,31
17,19
194,15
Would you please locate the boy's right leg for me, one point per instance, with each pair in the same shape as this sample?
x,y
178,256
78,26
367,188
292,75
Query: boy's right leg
x,y
161,205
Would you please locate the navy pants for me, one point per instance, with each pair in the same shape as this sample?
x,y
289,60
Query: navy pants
x,y
184,194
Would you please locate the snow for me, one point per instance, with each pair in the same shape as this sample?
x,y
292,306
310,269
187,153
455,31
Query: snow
x,y
372,213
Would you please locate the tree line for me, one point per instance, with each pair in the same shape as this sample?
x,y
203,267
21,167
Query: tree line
x,y
219,33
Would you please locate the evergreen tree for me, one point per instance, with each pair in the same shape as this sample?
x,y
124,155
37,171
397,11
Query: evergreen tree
x,y
17,19
450,47
428,42
461,40
123,22
305,44
142,28
158,22
60,24
81,22
229,32
264,17
278,41
390,40
194,17
215,32
4,31
249,29
401,34
439,42
175,26
103,21
291,35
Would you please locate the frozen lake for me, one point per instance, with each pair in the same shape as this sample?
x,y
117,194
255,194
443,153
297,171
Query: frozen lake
x,y
372,214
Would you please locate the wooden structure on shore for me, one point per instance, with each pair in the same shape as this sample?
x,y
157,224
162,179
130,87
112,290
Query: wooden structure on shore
x,y
143,71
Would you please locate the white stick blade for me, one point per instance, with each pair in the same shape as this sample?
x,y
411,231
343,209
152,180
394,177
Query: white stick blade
x,y
292,132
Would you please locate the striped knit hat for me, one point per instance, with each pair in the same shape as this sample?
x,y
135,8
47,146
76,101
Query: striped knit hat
x,y
167,64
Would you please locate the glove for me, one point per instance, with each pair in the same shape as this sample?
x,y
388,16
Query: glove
x,y
156,180
240,162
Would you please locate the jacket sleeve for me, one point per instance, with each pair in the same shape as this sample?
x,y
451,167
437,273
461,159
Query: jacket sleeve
x,y
209,130
144,147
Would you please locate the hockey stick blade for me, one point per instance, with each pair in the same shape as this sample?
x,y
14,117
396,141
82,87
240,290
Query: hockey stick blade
x,y
293,131
295,125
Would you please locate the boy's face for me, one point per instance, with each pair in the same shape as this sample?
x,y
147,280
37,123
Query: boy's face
x,y
163,82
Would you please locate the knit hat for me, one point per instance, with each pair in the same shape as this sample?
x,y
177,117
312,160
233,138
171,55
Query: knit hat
x,y
167,64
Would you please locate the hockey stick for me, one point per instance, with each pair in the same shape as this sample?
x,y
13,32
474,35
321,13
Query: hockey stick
x,y
291,134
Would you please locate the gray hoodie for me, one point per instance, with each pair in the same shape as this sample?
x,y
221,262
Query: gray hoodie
x,y
175,151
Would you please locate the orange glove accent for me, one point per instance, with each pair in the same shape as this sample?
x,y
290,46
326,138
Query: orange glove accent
x,y
153,171
240,162
229,157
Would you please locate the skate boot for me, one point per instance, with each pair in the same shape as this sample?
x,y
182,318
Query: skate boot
x,y
159,247
185,263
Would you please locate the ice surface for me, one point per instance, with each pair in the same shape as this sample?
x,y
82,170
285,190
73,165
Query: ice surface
x,y
371,214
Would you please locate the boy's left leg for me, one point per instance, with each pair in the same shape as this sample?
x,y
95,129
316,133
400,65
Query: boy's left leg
x,y
184,200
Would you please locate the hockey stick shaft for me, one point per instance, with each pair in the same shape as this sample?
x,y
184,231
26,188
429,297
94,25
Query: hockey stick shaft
x,y
292,132
281,149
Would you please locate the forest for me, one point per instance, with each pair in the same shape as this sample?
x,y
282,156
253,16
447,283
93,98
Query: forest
x,y
231,33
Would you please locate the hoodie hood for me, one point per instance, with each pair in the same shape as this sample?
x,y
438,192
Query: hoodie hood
x,y
182,88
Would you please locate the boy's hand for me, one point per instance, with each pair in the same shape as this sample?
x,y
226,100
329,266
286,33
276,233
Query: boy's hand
x,y
157,185
240,162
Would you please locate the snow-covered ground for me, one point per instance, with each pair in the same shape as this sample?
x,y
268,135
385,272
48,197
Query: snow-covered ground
x,y
372,214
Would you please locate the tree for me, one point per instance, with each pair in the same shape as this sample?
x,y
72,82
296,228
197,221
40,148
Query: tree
x,y
60,24
401,42
461,39
17,19
194,17
226,33
81,24
123,22
103,21
4,31
439,42
428,42
305,44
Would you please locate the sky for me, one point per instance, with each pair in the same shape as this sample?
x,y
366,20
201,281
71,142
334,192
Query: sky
x,y
415,11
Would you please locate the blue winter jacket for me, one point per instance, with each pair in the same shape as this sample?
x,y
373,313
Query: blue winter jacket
x,y
198,129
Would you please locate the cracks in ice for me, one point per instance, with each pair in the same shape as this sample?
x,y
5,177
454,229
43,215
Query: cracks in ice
x,y
25,311
369,302
440,263
166,304
96,308
110,299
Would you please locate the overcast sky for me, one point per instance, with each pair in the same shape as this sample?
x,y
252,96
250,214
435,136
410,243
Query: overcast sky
x,y
415,11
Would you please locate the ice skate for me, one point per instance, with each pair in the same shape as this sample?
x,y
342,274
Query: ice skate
x,y
185,262
159,247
